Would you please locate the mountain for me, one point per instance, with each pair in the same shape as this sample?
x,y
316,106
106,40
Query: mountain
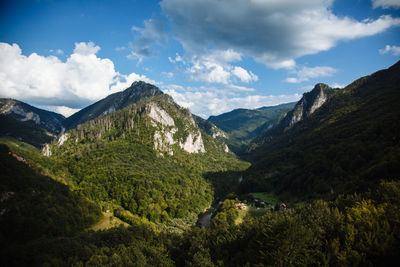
x,y
306,106
211,129
50,121
348,144
24,131
117,101
243,125
156,166
147,161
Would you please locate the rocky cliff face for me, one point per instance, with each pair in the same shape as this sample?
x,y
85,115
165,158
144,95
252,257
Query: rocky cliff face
x,y
166,129
156,119
307,105
21,111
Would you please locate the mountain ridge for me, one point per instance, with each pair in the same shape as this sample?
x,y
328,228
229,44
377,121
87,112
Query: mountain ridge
x,y
346,145
48,120
113,102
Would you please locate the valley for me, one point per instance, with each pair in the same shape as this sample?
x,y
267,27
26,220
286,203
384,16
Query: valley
x,y
137,180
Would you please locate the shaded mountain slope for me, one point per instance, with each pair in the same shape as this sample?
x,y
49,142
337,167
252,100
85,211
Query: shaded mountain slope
x,y
346,145
50,121
34,206
24,131
306,106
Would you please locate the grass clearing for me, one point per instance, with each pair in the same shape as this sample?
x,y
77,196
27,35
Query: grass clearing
x,y
267,197
13,142
107,222
258,212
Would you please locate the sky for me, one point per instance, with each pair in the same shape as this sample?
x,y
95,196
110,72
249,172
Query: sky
x,y
211,56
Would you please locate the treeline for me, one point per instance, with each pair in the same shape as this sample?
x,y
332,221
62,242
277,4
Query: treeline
x,y
352,230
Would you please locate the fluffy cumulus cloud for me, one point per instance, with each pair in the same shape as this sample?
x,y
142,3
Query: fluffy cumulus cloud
x,y
391,49
48,81
273,32
386,4
207,101
216,67
306,73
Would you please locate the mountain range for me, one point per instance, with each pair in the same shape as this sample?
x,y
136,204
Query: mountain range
x,y
243,125
137,158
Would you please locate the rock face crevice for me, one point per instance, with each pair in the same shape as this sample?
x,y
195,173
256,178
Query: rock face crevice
x,y
164,136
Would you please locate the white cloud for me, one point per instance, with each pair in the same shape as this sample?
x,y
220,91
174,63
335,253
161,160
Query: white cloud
x,y
394,50
169,75
243,75
82,79
66,111
270,31
385,4
306,73
152,33
86,49
216,67
177,58
338,85
211,101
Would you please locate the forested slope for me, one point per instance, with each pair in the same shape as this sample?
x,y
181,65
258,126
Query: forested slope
x,y
347,145
151,166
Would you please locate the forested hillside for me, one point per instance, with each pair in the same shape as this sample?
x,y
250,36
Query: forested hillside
x,y
117,101
346,145
149,158
26,132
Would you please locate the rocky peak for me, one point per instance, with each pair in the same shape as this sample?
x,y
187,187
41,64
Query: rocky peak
x,y
309,103
137,91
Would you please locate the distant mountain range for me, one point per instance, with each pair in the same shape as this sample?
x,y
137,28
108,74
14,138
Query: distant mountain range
x,y
243,125
286,143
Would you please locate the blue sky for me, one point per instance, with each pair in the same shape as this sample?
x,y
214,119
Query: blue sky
x,y
211,56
